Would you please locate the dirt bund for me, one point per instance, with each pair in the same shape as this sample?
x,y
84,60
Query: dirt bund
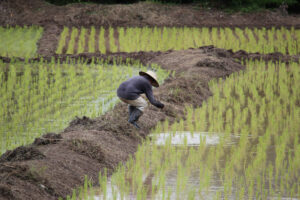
x,y
56,163
146,57
39,12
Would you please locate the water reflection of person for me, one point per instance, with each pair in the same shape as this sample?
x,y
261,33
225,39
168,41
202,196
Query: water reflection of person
x,y
130,91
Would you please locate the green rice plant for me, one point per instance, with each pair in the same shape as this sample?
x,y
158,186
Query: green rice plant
x,y
92,40
58,92
19,41
112,41
256,115
131,39
102,46
81,41
62,41
262,162
74,195
71,44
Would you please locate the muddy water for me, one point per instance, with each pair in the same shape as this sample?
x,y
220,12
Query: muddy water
x,y
171,189
191,139
41,100
191,182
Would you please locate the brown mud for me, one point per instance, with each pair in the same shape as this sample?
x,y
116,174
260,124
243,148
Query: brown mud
x,y
144,57
55,164
39,12
49,40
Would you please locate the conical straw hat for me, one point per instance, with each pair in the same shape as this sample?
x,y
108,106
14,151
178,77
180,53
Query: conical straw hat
x,y
152,75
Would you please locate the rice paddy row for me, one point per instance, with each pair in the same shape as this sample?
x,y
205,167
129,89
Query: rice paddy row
x,y
262,40
19,41
259,107
22,41
43,97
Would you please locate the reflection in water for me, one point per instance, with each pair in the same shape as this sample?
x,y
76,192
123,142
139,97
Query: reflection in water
x,y
175,184
261,107
188,177
188,138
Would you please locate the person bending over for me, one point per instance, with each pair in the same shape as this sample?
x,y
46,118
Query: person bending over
x,y
130,91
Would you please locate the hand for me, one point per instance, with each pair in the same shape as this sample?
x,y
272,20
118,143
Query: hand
x,y
161,106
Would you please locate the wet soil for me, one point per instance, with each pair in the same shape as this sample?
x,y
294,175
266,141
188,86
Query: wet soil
x,y
145,57
56,164
39,12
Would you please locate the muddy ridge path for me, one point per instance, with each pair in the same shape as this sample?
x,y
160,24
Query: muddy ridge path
x,y
56,163
42,13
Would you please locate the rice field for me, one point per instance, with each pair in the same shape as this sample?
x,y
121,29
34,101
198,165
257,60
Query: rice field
x,y
242,143
43,97
255,115
104,40
19,41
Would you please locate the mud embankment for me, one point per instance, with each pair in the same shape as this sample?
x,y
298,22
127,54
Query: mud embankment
x,y
39,12
146,57
55,164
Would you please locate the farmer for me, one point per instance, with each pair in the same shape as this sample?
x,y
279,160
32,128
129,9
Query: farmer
x,y
130,91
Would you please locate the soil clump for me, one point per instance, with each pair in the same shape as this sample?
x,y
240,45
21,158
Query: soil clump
x,y
22,153
88,146
49,138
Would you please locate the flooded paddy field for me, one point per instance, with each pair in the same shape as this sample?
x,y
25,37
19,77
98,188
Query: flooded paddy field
x,y
254,154
41,97
229,128
88,146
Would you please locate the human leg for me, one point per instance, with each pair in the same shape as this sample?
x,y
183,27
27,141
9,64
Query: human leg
x,y
134,117
135,108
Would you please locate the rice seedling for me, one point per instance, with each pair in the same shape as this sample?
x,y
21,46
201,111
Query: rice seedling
x,y
92,40
112,41
260,109
81,41
260,40
71,44
62,41
44,97
102,46
19,41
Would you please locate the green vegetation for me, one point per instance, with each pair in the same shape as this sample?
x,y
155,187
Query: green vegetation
x,y
44,97
81,41
19,41
62,41
74,34
92,42
260,108
262,40
102,46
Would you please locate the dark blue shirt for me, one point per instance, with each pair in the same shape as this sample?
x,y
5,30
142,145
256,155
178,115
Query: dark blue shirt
x,y
134,87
